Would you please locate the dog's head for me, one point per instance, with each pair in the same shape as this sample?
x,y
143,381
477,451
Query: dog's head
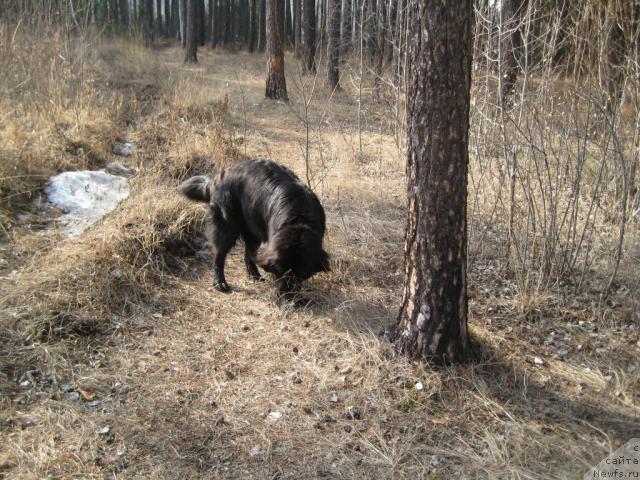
x,y
297,250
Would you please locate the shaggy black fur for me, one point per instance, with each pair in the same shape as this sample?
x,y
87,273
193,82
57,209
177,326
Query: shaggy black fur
x,y
280,220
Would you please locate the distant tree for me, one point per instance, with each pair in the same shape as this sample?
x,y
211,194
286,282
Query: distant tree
x,y
345,27
192,32
253,25
333,43
432,322
511,15
262,37
168,20
297,27
201,25
183,22
213,27
160,27
309,35
276,83
147,21
175,18
124,14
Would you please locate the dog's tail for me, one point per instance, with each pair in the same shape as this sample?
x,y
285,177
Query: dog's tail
x,y
196,188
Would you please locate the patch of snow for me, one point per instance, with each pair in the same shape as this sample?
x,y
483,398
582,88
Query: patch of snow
x,y
86,196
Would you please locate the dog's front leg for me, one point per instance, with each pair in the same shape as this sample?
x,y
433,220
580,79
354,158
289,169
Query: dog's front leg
x,y
219,282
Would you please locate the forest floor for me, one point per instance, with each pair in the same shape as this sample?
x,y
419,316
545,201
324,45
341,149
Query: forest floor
x,y
196,384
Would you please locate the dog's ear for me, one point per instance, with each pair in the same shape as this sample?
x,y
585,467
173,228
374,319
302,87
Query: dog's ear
x,y
267,258
196,188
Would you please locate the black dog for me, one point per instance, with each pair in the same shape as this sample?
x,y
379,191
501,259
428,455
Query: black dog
x,y
280,220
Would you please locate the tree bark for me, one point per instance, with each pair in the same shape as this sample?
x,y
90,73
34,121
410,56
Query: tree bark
x,y
175,18
345,27
510,44
432,321
191,55
211,24
228,23
615,57
297,27
333,44
124,15
200,19
253,33
262,40
159,17
147,21
309,35
182,11
276,84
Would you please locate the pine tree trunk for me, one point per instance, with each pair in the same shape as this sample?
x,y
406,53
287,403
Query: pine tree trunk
x,y
124,15
510,44
183,22
615,56
166,5
288,22
309,35
276,84
253,25
236,21
228,23
211,25
432,321
297,27
191,55
282,22
262,40
345,27
147,19
333,44
391,36
200,25
398,39
159,18
175,18
215,37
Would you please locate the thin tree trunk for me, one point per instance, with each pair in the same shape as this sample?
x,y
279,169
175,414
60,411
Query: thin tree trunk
x,y
253,25
333,44
288,22
309,35
297,27
228,23
200,25
432,321
262,41
175,18
124,15
345,27
159,18
191,54
276,84
147,19
510,44
183,22
615,57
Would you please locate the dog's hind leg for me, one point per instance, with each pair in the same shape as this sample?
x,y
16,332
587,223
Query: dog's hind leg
x,y
250,248
223,237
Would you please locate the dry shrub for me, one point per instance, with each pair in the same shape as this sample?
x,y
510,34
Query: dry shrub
x,y
91,284
56,112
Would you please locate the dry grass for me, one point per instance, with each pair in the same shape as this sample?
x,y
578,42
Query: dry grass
x,y
117,364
